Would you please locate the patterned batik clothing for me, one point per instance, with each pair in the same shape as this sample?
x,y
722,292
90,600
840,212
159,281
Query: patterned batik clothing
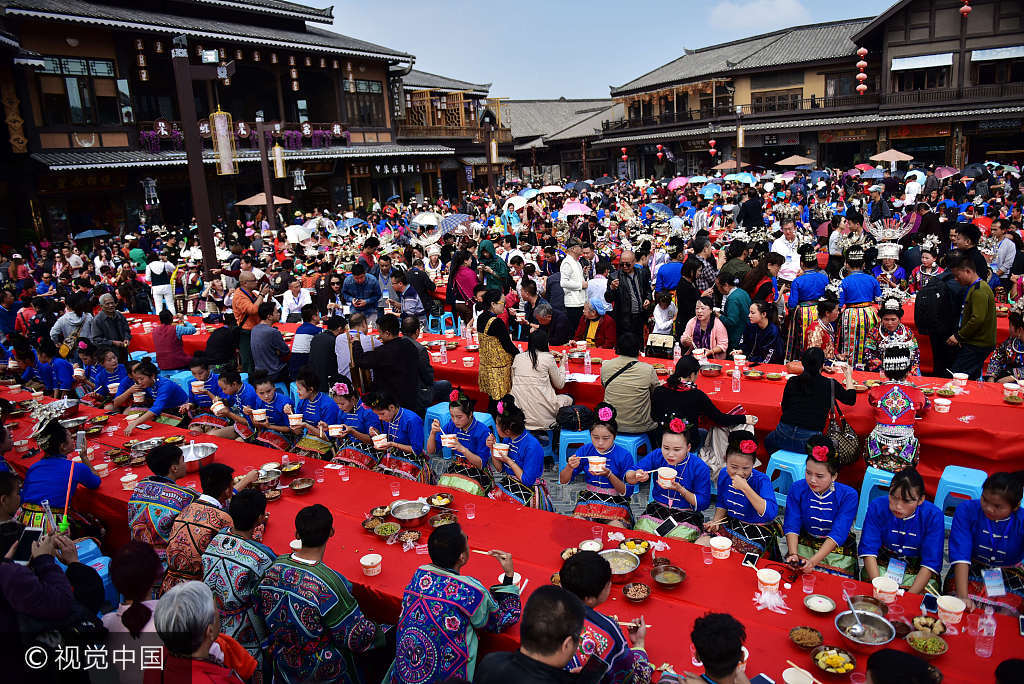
x,y
314,625
879,337
892,444
232,568
822,334
529,490
154,505
191,534
694,475
602,637
441,611
1008,360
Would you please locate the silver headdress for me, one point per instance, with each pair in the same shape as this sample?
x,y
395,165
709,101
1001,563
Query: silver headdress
x,y
896,355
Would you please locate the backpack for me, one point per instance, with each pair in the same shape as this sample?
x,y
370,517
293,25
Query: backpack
x,y
576,418
933,308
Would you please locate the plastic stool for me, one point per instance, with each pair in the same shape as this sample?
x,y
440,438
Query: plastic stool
x,y
549,446
876,482
789,467
438,411
293,394
488,420
567,437
244,376
633,443
448,322
183,379
960,483
89,553
282,387
139,355
434,325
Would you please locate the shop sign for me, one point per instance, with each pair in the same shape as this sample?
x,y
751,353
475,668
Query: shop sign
x,y
772,140
469,174
163,128
999,124
695,145
360,170
242,129
204,128
430,167
74,182
919,131
383,170
846,135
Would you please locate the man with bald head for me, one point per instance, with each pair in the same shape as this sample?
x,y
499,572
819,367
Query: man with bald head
x,y
110,327
246,303
629,289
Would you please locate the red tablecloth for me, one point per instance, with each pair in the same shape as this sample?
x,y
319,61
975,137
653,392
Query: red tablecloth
x,y
143,341
723,586
1002,332
989,441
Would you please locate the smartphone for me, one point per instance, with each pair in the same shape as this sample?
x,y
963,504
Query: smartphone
x,y
1021,625
750,560
592,671
23,553
666,527
930,603
762,679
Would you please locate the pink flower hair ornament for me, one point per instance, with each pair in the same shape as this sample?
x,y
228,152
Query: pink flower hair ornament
x,y
454,396
748,446
604,413
82,345
820,454
340,389
677,425
501,407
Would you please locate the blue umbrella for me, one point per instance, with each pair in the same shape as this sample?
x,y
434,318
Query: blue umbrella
x,y
873,174
916,173
659,208
351,223
745,177
731,177
393,197
698,179
92,233
818,175
453,221
529,193
709,190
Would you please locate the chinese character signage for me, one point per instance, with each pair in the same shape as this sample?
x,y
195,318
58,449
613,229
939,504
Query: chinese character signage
x,y
395,169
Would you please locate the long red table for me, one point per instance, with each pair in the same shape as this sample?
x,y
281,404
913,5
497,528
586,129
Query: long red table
x,y
722,586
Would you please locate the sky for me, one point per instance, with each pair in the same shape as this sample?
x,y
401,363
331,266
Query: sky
x,y
546,49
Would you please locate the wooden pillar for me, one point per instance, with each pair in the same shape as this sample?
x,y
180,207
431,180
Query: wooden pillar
x,y
280,95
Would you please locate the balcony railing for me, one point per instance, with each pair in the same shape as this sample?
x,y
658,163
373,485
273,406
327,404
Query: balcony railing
x,y
502,135
168,136
1000,91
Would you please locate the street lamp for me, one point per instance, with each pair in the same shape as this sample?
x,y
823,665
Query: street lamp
x,y
739,137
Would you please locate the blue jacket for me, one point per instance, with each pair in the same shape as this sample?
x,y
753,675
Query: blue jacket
x,y
368,290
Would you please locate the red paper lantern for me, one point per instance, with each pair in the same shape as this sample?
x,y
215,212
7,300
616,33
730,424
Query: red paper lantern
x,y
965,10
661,155
660,148
625,157
711,142
862,52
862,88
623,150
712,152
862,65
862,77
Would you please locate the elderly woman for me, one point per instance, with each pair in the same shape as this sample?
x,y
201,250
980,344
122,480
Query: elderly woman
x,y
890,330
187,621
596,327
535,379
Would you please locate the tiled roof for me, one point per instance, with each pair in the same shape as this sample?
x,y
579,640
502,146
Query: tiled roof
x,y
7,39
477,161
815,42
325,14
98,159
533,118
588,125
313,38
419,80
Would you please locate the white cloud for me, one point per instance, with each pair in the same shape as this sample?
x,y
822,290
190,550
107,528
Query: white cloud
x,y
751,17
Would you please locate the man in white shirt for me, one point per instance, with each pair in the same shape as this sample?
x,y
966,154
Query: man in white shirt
x,y
74,261
573,283
910,191
159,274
294,299
788,247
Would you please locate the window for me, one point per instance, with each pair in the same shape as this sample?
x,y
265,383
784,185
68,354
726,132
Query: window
x,y
81,92
364,102
992,73
722,101
920,79
777,100
837,85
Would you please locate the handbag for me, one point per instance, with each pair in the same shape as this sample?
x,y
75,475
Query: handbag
x,y
842,435
68,344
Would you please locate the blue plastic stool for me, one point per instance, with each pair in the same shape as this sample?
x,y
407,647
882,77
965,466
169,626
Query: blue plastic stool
x,y
139,355
293,394
958,483
438,411
488,420
448,322
282,387
183,379
785,468
567,437
549,445
89,554
434,325
633,443
876,483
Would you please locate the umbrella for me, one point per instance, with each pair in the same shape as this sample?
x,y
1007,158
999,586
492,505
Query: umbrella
x,y
426,218
548,189
945,172
794,160
603,181
788,176
679,182
746,178
710,189
578,186
453,221
351,223
260,200
92,233
641,182
891,156
516,201
730,176
392,198
529,193
917,174
298,233
852,172
873,174
818,175
659,208
864,167
974,171
698,179
574,209
728,164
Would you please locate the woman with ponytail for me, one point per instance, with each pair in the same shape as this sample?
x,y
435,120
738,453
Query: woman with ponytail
x,y
134,570
469,469
520,470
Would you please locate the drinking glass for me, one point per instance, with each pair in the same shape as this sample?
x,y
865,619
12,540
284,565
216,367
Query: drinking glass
x,y
708,557
849,589
320,473
396,489
343,473
808,579
470,511
857,678
595,533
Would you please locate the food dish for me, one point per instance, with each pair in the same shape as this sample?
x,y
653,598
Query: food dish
x,y
443,519
302,485
833,660
569,552
869,604
774,376
386,529
753,374
371,523
877,630
637,546
636,592
292,467
174,439
412,536
624,563
1013,399
927,644
924,623
380,511
272,495
860,388
668,576
441,499
819,603
946,392
806,637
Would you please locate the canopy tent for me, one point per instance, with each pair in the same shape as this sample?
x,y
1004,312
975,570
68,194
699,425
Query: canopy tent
x,y
259,200
728,164
891,156
794,160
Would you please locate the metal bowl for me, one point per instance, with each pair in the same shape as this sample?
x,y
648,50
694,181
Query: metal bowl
x,y
292,468
302,485
410,513
668,576
71,407
711,370
73,423
642,591
140,449
268,480
198,455
878,630
624,564
866,603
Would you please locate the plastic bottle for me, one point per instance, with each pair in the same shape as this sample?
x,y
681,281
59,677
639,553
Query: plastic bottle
x,y
587,363
677,353
563,367
444,353
986,639
736,380
80,444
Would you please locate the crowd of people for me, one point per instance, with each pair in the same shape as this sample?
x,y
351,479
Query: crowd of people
x,y
814,270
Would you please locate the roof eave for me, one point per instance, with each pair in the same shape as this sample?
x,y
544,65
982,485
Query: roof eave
x,y
324,16
859,37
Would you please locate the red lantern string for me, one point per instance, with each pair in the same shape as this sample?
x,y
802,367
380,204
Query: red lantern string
x,y
966,9
861,66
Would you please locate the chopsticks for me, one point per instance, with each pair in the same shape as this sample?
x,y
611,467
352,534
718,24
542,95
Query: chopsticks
x,y
794,665
485,553
633,624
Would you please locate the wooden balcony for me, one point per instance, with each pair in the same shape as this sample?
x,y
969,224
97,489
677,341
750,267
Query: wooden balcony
x,y
167,135
474,133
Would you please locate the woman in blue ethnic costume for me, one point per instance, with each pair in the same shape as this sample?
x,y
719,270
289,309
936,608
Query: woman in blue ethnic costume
x,y
1007,362
519,473
603,463
904,530
819,515
109,372
746,507
988,534
442,610
88,354
402,454
890,331
163,395
804,293
239,395
469,469
315,407
353,447
315,627
273,431
892,444
689,492
199,403
857,295
589,576
233,564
